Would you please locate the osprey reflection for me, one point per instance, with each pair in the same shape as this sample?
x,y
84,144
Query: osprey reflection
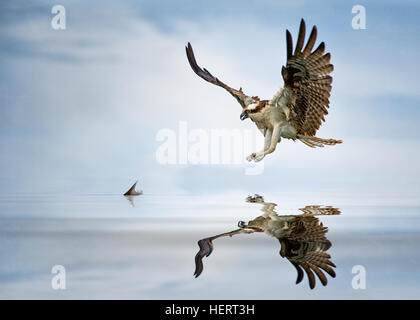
x,y
302,238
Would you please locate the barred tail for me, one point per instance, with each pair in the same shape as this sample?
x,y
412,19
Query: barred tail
x,y
320,211
314,142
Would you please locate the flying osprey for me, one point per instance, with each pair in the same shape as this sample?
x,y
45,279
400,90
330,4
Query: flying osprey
x,y
302,239
297,110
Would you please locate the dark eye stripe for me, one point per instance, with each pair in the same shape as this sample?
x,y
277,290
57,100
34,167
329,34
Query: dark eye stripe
x,y
259,107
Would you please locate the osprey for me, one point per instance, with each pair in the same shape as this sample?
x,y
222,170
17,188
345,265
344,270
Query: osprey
x,y
297,110
302,239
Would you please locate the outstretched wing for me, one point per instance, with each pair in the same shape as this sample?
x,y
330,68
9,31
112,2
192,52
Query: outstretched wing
x,y
206,75
206,247
307,75
306,248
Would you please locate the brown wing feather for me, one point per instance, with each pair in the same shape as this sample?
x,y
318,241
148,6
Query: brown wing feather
x,y
206,75
305,248
206,247
307,74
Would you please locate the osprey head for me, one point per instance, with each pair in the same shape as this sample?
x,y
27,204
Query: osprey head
x,y
253,226
251,103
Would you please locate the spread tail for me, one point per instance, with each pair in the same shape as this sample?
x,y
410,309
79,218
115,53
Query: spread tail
x,y
320,211
314,142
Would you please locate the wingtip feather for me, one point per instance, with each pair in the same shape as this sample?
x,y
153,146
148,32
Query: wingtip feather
x,y
289,43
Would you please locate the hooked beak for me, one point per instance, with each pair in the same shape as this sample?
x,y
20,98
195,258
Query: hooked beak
x,y
244,115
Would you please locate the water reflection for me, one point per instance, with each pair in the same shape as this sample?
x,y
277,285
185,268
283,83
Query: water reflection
x,y
130,200
302,238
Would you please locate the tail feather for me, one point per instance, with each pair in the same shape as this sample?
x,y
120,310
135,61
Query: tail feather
x,y
320,211
314,142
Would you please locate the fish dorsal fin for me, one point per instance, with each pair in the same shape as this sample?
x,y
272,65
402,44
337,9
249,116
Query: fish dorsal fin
x,y
132,191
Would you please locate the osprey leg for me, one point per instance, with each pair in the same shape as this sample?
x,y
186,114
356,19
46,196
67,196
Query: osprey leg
x,y
270,142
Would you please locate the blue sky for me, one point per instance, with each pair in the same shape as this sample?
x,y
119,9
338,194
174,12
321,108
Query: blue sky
x,y
80,108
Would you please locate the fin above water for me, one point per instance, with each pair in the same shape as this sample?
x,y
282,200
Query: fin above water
x,y
132,191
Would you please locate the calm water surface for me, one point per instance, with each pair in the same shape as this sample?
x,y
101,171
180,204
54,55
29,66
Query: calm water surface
x,y
113,247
